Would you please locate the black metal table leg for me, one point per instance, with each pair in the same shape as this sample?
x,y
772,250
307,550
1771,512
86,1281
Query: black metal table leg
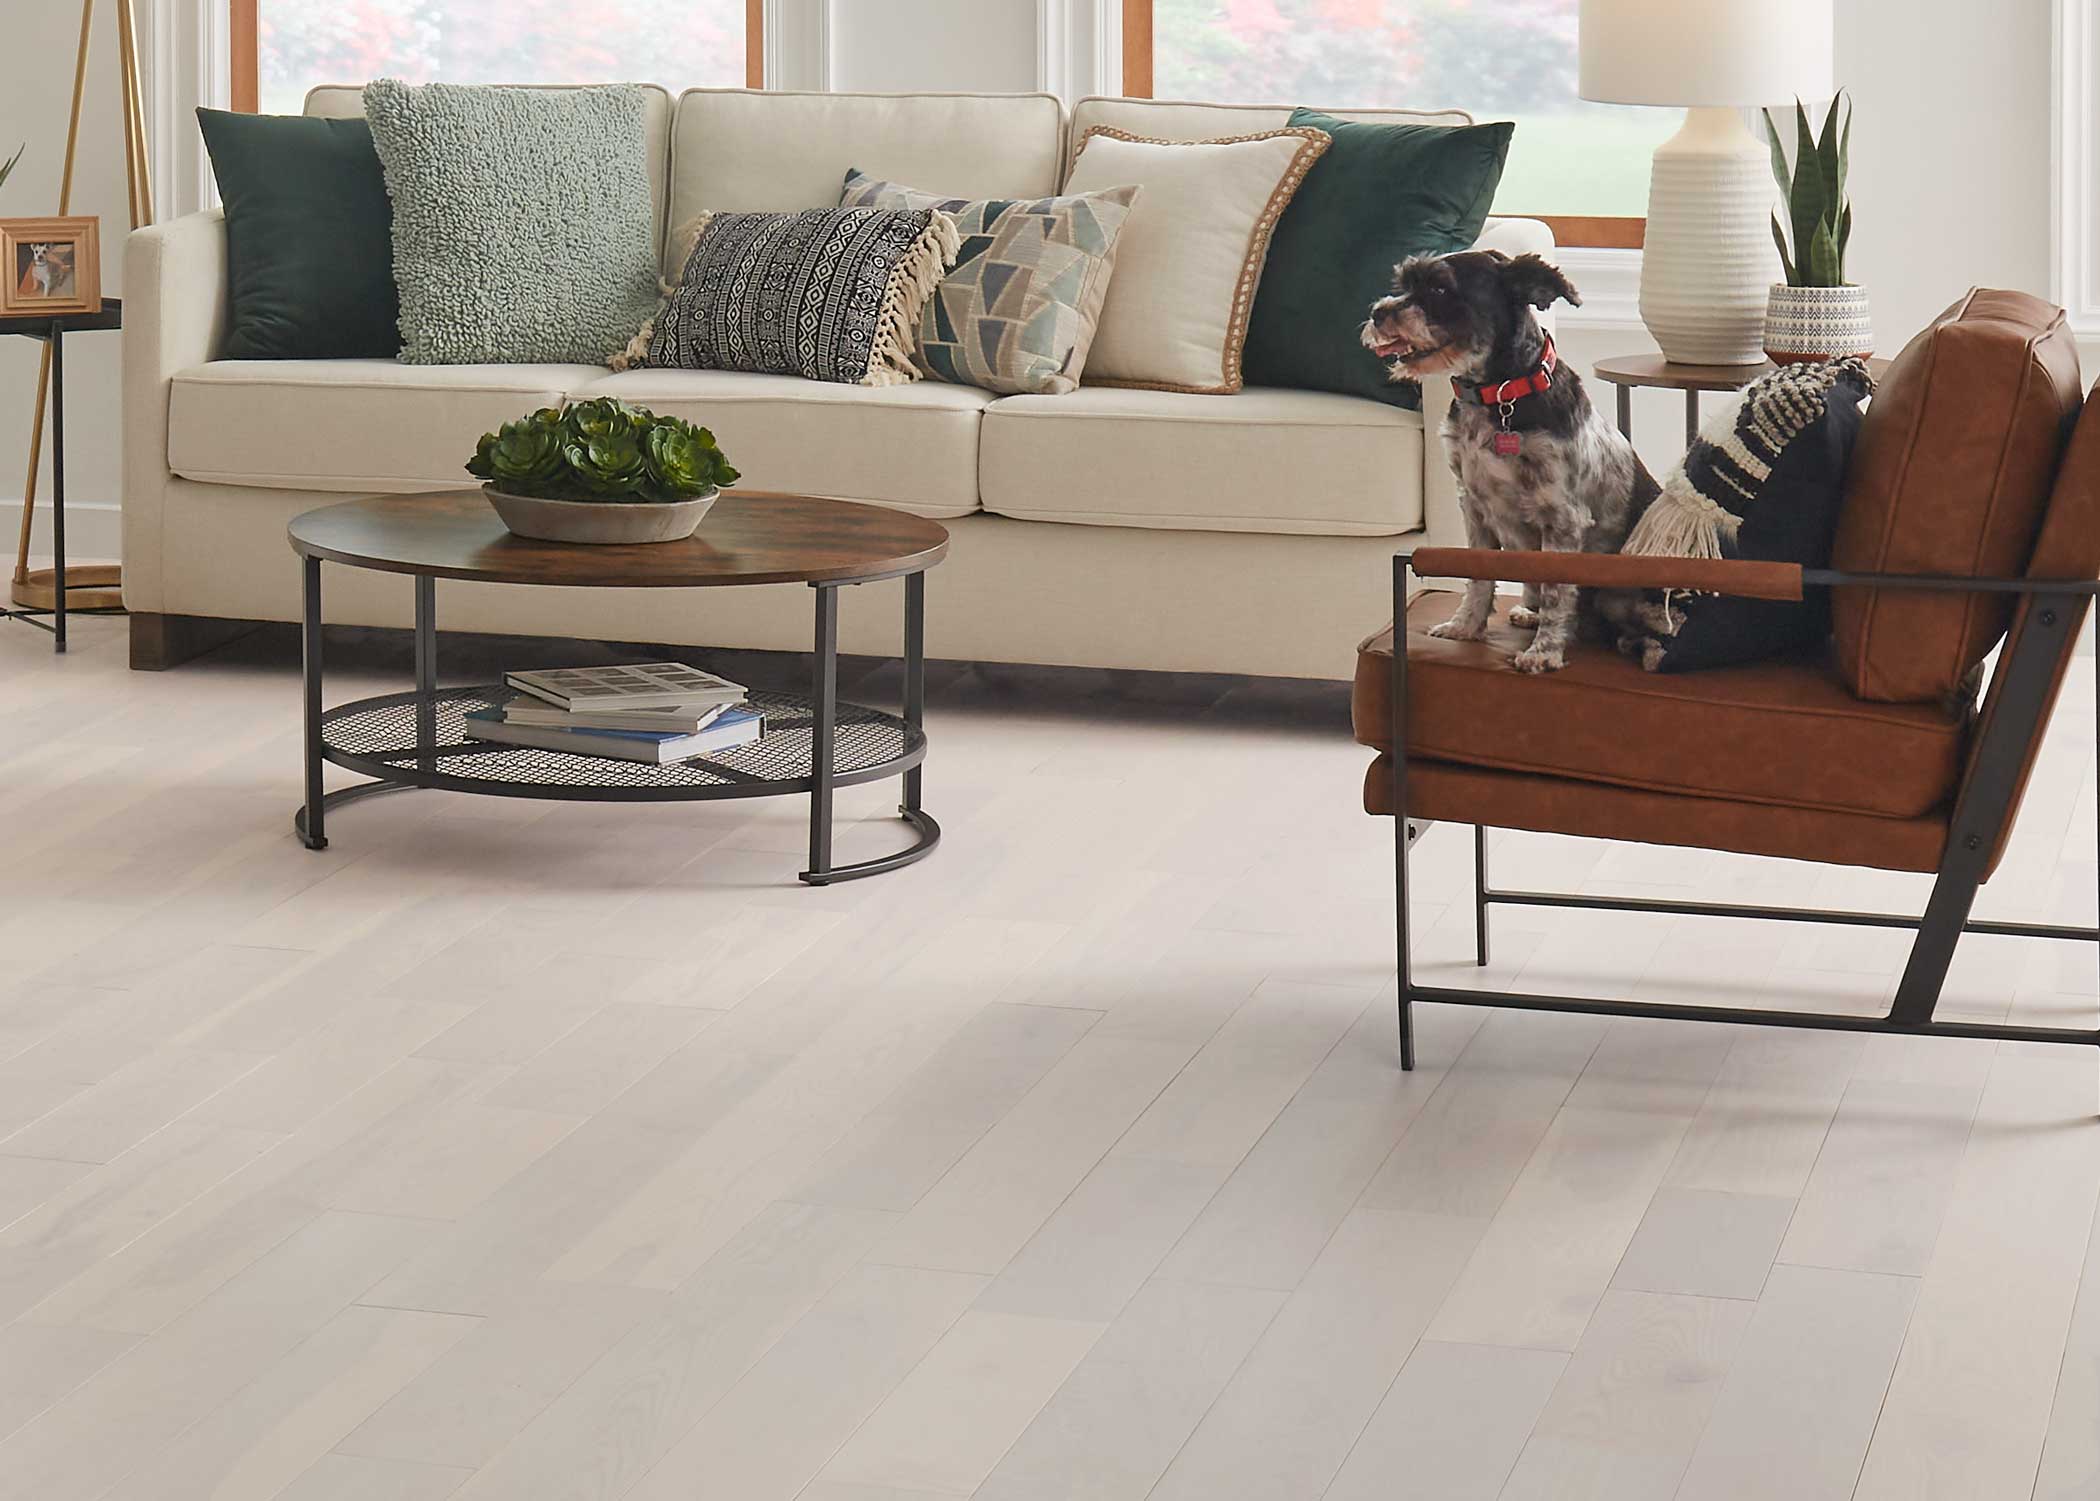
x,y
426,670
1691,418
311,826
1626,413
914,676
58,485
824,696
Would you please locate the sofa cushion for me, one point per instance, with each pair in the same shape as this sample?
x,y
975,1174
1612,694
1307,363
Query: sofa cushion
x,y
1950,475
912,446
1784,732
753,151
1262,460
348,424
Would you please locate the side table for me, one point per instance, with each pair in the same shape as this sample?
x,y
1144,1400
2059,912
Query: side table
x,y
1652,371
38,594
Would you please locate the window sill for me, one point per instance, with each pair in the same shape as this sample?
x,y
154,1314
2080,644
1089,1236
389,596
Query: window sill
x,y
1610,283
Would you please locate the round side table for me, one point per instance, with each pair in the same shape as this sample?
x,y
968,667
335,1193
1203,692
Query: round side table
x,y
1656,373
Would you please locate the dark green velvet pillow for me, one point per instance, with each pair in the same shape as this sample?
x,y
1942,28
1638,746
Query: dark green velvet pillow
x,y
1379,194
309,238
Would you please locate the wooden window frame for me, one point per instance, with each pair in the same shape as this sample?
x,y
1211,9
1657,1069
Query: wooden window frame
x,y
247,82
1604,232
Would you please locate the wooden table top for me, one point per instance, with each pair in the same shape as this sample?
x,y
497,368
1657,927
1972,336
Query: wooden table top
x,y
1654,371
747,538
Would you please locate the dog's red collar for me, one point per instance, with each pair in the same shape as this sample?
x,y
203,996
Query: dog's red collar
x,y
1503,393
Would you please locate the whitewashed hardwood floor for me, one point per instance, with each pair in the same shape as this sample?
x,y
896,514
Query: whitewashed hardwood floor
x,y
531,1152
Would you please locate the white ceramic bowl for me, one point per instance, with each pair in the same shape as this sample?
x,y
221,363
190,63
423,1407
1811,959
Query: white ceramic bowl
x,y
600,522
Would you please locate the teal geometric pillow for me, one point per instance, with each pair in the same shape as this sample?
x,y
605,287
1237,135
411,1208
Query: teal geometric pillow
x,y
1016,314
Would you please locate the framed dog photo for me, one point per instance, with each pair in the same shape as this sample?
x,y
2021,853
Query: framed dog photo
x,y
50,266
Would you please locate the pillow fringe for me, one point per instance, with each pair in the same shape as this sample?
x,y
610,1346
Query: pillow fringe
x,y
1681,523
917,274
637,348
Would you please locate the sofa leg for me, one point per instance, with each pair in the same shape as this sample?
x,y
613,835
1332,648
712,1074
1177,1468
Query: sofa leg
x,y
159,642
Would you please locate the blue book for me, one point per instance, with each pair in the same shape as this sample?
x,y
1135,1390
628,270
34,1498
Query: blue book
x,y
733,727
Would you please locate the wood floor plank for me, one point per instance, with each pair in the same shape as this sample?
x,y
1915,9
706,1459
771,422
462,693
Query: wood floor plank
x,y
774,1430
1969,1408
1584,1194
2070,1469
949,1421
1880,1187
1111,1430
1799,1403
1707,1244
1453,1423
1637,1394
1285,1423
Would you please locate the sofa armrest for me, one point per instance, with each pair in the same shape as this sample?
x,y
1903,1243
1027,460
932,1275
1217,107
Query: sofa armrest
x,y
1442,525
174,318
1593,570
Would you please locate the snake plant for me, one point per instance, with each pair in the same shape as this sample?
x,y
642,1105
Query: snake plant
x,y
1814,192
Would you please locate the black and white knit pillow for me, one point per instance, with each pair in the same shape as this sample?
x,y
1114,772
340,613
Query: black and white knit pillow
x,y
826,294
1764,481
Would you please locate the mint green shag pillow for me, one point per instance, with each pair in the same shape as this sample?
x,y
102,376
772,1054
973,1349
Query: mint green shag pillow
x,y
523,227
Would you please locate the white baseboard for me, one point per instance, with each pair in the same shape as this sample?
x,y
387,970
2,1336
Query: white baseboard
x,y
94,531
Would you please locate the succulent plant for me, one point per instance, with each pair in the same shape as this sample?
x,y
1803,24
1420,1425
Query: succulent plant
x,y
1820,214
602,450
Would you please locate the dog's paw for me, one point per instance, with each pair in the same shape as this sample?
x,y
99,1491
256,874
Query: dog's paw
x,y
1533,659
1458,629
1523,617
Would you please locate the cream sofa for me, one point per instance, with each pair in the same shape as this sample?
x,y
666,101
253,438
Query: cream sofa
x,y
1106,528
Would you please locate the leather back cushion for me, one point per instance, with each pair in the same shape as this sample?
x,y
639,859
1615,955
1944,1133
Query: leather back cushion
x,y
1951,475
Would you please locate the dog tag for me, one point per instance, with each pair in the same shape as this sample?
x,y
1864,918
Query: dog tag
x,y
1508,445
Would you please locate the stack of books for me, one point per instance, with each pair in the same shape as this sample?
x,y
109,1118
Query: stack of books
x,y
659,712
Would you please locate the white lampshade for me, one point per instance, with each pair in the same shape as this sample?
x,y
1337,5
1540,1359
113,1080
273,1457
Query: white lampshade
x,y
1706,52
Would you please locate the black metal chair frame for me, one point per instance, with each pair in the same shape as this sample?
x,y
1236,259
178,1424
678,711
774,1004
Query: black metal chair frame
x,y
2021,696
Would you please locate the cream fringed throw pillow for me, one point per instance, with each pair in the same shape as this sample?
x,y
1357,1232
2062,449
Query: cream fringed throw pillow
x,y
1191,252
827,294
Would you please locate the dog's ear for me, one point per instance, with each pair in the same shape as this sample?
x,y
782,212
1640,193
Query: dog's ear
x,y
1538,282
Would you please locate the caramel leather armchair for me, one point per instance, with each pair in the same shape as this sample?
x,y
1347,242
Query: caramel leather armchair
x,y
1972,517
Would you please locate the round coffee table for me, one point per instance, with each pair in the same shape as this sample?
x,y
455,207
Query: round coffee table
x,y
402,741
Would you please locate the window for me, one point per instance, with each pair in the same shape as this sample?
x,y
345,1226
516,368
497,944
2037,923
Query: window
x,y
1583,167
282,48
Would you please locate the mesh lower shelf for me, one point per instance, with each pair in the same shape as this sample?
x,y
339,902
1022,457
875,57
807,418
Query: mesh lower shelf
x,y
378,736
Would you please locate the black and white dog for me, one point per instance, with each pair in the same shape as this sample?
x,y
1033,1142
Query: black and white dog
x,y
1538,467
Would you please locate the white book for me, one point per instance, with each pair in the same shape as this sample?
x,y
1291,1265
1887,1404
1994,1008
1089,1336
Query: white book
x,y
686,719
740,726
647,685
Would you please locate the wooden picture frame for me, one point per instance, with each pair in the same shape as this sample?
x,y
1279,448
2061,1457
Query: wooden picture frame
x,y
50,266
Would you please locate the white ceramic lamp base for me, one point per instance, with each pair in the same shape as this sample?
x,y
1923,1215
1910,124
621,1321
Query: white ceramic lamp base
x,y
1708,262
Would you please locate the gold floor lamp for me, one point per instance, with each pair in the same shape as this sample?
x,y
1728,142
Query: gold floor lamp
x,y
90,588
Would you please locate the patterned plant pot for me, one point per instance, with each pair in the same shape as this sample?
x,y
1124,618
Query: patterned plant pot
x,y
1804,324
605,522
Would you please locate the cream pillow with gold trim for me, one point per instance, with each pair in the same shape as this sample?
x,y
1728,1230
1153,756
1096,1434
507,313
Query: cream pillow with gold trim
x,y
1191,252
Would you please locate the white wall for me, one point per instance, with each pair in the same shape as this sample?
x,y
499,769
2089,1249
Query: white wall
x,y
36,89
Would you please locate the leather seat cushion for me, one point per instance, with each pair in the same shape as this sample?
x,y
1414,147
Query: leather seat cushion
x,y
1950,475
1441,792
1263,460
1784,733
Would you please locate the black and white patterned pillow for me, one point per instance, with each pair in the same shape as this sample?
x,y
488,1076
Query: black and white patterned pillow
x,y
1764,481
826,294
